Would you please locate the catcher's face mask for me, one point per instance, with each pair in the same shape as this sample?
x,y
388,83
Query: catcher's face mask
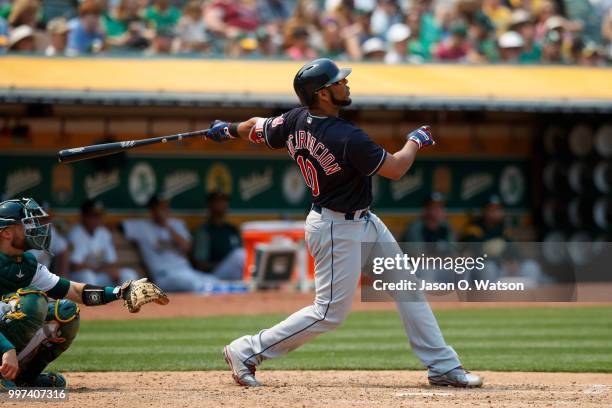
x,y
36,225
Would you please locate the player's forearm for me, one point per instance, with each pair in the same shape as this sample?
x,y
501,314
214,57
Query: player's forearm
x,y
398,163
91,295
244,128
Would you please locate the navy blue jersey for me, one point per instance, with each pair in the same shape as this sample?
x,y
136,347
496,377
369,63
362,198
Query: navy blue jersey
x,y
336,158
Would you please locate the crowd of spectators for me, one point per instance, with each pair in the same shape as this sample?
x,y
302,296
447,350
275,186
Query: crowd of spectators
x,y
390,31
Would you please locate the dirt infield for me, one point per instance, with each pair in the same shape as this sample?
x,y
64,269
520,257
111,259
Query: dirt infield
x,y
283,302
332,389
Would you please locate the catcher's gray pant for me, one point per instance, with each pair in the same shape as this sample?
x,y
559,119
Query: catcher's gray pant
x,y
335,244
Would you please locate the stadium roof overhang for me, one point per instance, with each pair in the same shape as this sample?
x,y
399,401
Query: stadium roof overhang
x,y
257,83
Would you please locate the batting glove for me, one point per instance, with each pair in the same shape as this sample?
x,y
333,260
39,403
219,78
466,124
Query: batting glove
x,y
421,136
219,132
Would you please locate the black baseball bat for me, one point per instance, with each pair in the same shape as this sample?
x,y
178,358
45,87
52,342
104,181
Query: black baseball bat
x,y
105,149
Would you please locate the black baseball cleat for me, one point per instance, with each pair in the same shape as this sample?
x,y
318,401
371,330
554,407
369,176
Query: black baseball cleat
x,y
457,377
243,374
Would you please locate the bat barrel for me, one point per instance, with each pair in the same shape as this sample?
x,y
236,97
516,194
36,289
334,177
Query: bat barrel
x,y
105,149
88,152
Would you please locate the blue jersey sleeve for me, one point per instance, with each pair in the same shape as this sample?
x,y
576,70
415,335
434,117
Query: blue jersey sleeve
x,y
363,154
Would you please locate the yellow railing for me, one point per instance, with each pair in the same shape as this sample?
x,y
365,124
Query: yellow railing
x,y
275,78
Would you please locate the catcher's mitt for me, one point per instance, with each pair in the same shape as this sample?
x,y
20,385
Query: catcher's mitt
x,y
136,293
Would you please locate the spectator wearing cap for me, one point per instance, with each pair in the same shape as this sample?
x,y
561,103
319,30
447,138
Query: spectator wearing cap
x,y
481,35
191,30
398,36
22,39
93,258
58,36
298,45
455,47
86,35
510,47
571,38
522,23
552,48
161,14
24,12
374,50
217,244
165,243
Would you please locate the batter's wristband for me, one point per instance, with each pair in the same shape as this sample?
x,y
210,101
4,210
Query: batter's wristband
x,y
233,129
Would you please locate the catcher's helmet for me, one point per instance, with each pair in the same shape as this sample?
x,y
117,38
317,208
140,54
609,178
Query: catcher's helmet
x,y
27,212
316,75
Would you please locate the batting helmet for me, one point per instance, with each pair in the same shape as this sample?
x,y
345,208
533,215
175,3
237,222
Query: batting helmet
x,y
27,212
316,75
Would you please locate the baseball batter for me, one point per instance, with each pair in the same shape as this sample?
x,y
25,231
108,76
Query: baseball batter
x,y
337,161
39,315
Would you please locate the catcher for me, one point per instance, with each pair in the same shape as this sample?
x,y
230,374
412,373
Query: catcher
x,y
39,315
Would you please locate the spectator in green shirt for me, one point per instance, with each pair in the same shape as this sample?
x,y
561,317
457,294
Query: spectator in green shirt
x,y
482,37
217,245
523,23
117,19
161,14
125,27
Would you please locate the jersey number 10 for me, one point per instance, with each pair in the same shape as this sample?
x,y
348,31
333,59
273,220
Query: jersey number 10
x,y
310,174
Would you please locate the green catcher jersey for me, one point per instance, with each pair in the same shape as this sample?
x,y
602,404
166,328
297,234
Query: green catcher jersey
x,y
23,270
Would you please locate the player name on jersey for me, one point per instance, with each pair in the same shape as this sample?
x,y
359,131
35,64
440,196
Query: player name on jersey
x,y
317,150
